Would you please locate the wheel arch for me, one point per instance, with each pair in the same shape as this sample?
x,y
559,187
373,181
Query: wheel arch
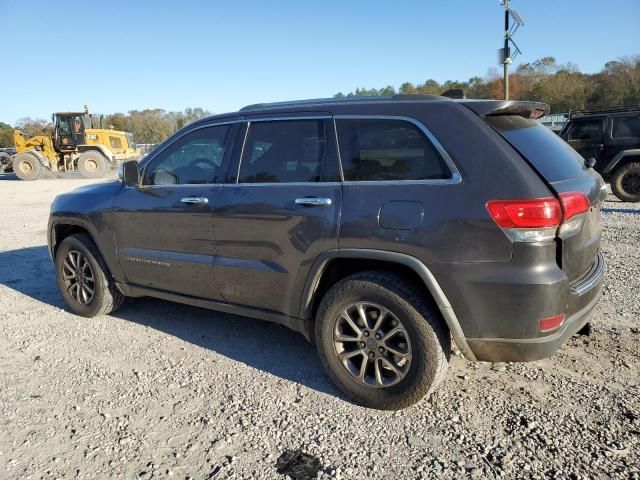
x,y
61,228
337,264
621,159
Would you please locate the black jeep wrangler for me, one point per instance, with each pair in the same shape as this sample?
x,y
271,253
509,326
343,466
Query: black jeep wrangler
x,y
611,137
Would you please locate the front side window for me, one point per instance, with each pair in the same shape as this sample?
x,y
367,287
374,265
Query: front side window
x,y
386,149
586,130
195,158
626,127
284,151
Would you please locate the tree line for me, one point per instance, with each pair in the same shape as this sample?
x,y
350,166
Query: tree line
x,y
562,86
148,126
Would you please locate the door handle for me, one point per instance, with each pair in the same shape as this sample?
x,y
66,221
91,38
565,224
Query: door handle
x,y
195,200
313,201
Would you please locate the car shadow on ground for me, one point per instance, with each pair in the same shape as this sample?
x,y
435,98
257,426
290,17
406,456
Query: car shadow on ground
x,y
266,346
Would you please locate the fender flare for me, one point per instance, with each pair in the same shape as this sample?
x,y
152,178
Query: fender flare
x,y
635,152
86,225
319,266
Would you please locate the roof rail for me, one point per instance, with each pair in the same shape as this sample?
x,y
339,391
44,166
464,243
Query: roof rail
x,y
354,99
603,110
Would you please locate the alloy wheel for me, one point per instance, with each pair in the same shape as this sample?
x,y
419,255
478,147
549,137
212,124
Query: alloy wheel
x,y
79,279
372,344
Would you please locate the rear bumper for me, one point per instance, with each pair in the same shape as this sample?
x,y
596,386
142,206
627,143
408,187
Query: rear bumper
x,y
531,349
579,299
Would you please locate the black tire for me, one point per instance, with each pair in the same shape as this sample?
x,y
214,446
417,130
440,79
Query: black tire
x,y
106,297
429,339
92,164
5,159
625,182
26,166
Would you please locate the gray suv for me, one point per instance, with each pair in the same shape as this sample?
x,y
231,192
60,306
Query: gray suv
x,y
382,229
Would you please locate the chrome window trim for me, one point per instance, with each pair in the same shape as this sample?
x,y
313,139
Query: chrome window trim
x,y
455,173
282,184
156,154
273,119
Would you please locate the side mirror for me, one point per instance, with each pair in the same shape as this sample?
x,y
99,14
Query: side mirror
x,y
590,162
128,173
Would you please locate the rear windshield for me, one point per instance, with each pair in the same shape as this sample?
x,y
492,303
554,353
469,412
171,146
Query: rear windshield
x,y
554,159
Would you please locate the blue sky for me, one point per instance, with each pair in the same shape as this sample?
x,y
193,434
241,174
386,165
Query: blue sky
x,y
223,55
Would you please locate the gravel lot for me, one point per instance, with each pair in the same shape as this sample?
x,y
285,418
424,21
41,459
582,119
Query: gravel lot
x,y
165,390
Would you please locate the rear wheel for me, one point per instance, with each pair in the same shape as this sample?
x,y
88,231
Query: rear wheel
x,y
27,167
92,164
380,341
625,183
83,278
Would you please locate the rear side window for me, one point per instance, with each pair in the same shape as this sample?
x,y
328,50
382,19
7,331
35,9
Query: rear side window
x,y
626,127
586,130
551,156
286,151
382,149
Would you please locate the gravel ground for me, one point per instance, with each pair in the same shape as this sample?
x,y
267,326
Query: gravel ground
x,y
164,390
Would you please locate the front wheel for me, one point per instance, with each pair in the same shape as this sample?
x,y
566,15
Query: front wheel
x,y
27,167
83,278
380,341
92,164
625,182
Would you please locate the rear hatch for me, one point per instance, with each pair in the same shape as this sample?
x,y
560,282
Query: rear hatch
x,y
563,170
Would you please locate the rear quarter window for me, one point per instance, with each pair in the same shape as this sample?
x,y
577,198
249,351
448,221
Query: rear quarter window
x,y
551,156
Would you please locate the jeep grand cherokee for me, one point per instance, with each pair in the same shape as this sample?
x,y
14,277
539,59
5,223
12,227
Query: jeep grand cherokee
x,y
379,228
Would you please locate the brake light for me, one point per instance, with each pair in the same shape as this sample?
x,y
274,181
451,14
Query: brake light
x,y
537,219
573,203
551,323
534,213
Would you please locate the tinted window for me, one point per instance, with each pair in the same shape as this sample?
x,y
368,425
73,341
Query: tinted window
x,y
284,151
586,130
548,153
387,150
192,159
625,127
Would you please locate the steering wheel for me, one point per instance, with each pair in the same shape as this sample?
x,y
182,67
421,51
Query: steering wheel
x,y
203,160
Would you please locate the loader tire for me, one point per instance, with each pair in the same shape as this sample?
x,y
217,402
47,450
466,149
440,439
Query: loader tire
x,y
92,164
26,166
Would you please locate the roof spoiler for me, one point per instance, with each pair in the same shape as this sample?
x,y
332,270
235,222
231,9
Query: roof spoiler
x,y
524,109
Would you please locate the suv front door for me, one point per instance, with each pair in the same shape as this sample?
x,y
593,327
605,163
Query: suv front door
x,y
163,227
278,213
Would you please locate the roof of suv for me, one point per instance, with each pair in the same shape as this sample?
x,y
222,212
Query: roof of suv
x,y
481,107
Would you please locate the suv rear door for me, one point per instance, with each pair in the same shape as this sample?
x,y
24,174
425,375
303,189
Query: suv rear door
x,y
278,212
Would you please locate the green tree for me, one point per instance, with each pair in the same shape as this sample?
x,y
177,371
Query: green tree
x,y
6,135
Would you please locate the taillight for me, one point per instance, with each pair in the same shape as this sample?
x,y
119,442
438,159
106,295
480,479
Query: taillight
x,y
531,220
551,323
574,204
537,219
535,213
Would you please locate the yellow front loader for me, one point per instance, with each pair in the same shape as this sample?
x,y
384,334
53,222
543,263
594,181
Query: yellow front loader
x,y
75,145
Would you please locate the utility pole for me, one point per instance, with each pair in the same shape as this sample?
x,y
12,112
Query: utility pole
x,y
507,57
504,54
